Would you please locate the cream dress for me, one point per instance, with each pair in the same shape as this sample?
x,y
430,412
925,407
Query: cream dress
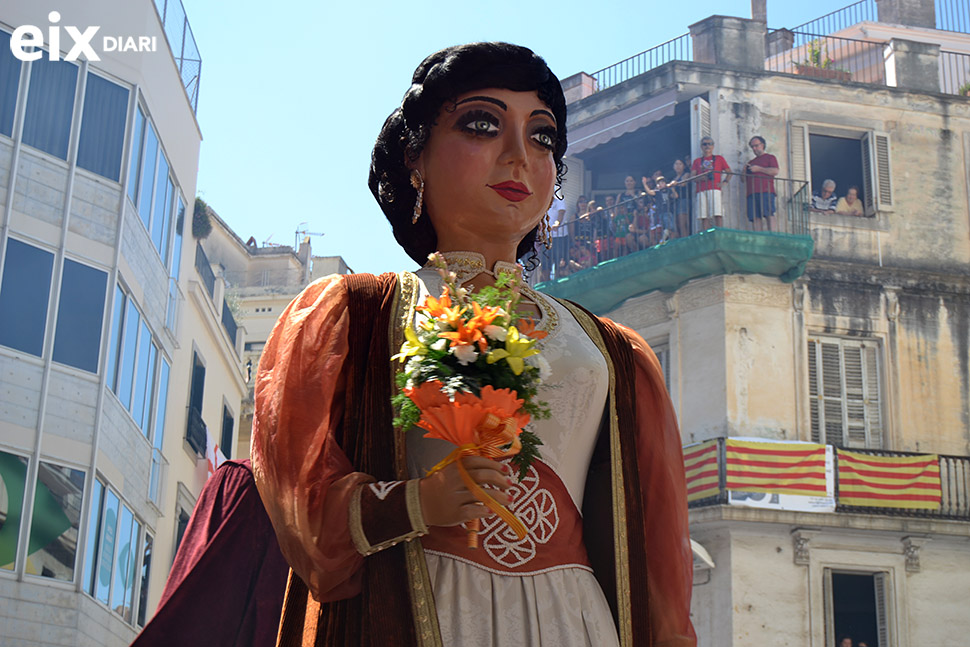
x,y
555,607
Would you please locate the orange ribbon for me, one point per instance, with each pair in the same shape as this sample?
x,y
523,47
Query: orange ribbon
x,y
494,434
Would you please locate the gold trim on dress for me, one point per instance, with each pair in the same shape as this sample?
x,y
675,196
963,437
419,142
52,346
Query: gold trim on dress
x,y
620,540
422,596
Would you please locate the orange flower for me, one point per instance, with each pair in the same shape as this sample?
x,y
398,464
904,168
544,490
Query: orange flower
x,y
528,327
463,335
441,309
483,316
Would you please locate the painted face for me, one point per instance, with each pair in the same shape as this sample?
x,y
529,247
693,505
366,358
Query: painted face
x,y
488,168
629,183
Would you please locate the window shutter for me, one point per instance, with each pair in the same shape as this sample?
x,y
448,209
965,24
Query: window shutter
x,y
829,607
881,584
572,188
662,352
813,390
872,392
798,149
831,387
877,171
855,411
700,124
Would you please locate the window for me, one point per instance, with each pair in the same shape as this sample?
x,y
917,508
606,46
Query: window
x,y
113,568
195,432
845,403
181,525
55,521
146,568
858,606
177,251
150,186
850,157
662,351
50,106
9,80
227,424
77,337
132,359
24,293
102,138
13,479
158,461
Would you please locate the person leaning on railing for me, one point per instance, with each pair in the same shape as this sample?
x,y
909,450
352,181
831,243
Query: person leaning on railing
x,y
825,200
760,186
850,205
682,203
708,200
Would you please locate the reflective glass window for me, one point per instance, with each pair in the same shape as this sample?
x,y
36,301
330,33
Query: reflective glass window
x,y
9,80
13,479
102,139
124,565
50,104
129,344
144,375
24,292
106,545
147,175
80,313
55,522
134,164
163,207
117,322
91,544
146,568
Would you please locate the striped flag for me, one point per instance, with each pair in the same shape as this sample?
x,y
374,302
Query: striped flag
x,y
776,468
700,463
889,481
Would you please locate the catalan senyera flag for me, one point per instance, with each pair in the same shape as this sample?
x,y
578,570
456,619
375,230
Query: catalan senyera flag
x,y
700,464
889,481
776,468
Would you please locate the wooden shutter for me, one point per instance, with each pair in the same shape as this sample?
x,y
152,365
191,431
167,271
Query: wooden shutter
x,y
572,188
844,393
700,124
798,152
829,607
663,355
881,591
877,171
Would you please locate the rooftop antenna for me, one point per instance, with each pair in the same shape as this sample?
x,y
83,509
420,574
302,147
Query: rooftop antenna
x,y
302,229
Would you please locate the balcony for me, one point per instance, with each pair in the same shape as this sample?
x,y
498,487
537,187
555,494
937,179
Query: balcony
x,y
181,42
229,323
824,478
196,432
616,251
204,268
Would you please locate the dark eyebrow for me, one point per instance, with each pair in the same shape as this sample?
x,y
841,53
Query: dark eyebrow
x,y
500,104
543,112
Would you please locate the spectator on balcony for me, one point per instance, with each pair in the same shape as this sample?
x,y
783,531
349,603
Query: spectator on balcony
x,y
681,206
825,200
707,202
759,180
664,201
580,257
850,205
627,197
580,225
605,230
559,235
641,224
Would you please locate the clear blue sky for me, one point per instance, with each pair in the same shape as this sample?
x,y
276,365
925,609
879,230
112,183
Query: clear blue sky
x,y
294,93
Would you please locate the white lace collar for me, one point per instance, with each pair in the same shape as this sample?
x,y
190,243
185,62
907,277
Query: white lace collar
x,y
468,265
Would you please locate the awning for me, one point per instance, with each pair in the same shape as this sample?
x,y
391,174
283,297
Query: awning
x,y
622,121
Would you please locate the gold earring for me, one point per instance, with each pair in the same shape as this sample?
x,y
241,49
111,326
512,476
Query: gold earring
x,y
418,183
543,234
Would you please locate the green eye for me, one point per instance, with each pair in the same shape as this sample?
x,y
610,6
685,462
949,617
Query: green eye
x,y
482,126
544,139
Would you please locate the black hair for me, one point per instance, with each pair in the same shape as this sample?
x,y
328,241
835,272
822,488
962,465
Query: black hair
x,y
441,78
760,139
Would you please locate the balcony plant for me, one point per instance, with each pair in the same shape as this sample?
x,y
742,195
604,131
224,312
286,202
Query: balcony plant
x,y
818,64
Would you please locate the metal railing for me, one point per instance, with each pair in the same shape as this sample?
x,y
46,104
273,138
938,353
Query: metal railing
x,y
621,225
196,431
229,323
830,57
205,270
954,487
955,73
841,18
182,44
675,49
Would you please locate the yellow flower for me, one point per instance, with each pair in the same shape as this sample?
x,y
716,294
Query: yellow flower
x,y
516,350
411,347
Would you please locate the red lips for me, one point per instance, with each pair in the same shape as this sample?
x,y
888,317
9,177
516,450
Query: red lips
x,y
513,191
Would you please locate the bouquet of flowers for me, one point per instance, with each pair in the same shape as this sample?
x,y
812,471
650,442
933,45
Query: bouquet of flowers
x,y
470,377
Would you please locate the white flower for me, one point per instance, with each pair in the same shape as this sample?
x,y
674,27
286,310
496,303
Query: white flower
x,y
544,369
497,333
465,354
441,344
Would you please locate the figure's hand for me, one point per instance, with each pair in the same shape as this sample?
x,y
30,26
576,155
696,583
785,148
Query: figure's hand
x,y
445,501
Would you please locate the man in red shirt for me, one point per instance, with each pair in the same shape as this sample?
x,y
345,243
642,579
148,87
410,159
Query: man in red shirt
x,y
708,200
760,185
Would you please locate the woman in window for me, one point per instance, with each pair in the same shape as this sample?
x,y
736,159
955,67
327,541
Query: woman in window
x,y
850,205
467,166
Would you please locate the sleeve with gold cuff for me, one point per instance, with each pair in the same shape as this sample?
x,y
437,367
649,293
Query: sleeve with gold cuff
x,y
384,514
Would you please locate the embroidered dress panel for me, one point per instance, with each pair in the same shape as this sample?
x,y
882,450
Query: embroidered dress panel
x,y
551,603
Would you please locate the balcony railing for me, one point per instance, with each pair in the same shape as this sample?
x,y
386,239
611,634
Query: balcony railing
x,y
615,226
229,322
709,477
829,57
955,73
196,431
841,18
675,49
204,268
181,42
